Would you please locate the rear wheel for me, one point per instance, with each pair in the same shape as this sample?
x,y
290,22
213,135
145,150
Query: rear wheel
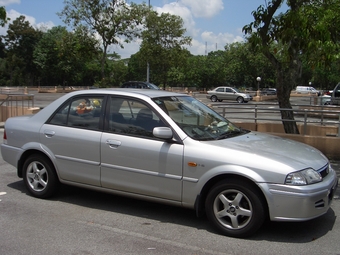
x,y
213,99
235,208
40,177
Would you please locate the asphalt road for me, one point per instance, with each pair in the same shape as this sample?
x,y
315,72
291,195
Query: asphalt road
x,y
78,221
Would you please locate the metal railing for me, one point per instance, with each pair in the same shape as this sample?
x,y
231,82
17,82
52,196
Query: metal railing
x,y
14,104
271,113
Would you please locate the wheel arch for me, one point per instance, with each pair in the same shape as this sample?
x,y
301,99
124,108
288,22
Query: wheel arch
x,y
200,200
25,155
240,101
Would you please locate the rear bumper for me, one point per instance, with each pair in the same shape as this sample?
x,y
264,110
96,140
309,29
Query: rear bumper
x,y
11,154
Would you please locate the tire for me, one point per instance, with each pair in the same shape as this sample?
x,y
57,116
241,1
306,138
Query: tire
x,y
40,177
240,100
213,98
235,208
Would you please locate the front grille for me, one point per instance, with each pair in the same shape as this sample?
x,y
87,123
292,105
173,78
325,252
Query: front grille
x,y
324,171
320,204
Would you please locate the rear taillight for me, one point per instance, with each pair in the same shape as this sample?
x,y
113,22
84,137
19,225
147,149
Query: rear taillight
x,y
5,136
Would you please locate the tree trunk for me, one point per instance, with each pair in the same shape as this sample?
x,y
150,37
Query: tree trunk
x,y
284,89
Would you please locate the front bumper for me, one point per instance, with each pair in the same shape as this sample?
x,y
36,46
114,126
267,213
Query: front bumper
x,y
300,203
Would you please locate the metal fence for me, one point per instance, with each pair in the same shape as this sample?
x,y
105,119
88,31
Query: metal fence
x,y
263,112
14,102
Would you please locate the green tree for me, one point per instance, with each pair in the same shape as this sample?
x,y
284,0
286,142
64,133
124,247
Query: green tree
x,y
243,65
20,41
136,68
163,44
64,57
308,28
3,16
113,20
117,70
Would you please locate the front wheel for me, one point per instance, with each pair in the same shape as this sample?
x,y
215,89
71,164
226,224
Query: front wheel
x,y
40,177
240,100
235,208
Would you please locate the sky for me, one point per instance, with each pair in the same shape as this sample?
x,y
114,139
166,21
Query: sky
x,y
211,23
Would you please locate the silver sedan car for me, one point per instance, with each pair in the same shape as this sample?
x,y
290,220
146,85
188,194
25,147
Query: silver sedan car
x,y
228,93
170,148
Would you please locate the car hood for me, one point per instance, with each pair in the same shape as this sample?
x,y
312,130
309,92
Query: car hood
x,y
264,150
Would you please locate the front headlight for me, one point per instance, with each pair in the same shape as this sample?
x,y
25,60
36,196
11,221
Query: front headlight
x,y
303,177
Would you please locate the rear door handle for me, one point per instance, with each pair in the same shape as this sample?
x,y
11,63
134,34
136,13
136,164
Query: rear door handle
x,y
49,133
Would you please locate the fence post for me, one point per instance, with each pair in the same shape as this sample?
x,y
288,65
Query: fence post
x,y
305,123
255,117
339,126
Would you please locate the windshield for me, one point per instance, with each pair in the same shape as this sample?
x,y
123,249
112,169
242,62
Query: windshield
x,y
196,119
152,86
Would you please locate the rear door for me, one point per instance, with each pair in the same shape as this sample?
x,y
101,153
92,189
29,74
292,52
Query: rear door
x,y
230,94
220,93
72,136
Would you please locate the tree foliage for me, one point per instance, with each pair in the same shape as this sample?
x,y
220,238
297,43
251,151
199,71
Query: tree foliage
x,y
63,56
163,45
20,42
3,16
113,20
304,29
302,47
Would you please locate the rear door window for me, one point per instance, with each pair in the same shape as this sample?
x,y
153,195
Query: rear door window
x,y
80,112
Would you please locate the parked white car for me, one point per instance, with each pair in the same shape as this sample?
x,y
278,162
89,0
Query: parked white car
x,y
307,90
169,148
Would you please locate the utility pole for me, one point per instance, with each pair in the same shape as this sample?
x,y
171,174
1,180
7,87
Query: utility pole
x,y
147,65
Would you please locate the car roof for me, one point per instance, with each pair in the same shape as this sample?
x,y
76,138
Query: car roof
x,y
151,93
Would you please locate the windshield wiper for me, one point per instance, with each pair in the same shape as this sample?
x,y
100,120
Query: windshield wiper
x,y
231,133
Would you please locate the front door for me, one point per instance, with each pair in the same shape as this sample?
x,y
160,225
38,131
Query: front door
x,y
132,160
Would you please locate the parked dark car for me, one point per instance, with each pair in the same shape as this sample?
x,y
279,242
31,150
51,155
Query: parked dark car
x,y
268,91
139,85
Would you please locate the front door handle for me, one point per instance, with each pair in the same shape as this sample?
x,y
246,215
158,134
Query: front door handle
x,y
114,144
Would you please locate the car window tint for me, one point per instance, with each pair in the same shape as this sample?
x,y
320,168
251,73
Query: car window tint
x,y
220,90
337,91
132,117
228,90
81,113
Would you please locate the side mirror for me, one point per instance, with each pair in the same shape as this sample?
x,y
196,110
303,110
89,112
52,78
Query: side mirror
x,y
162,133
